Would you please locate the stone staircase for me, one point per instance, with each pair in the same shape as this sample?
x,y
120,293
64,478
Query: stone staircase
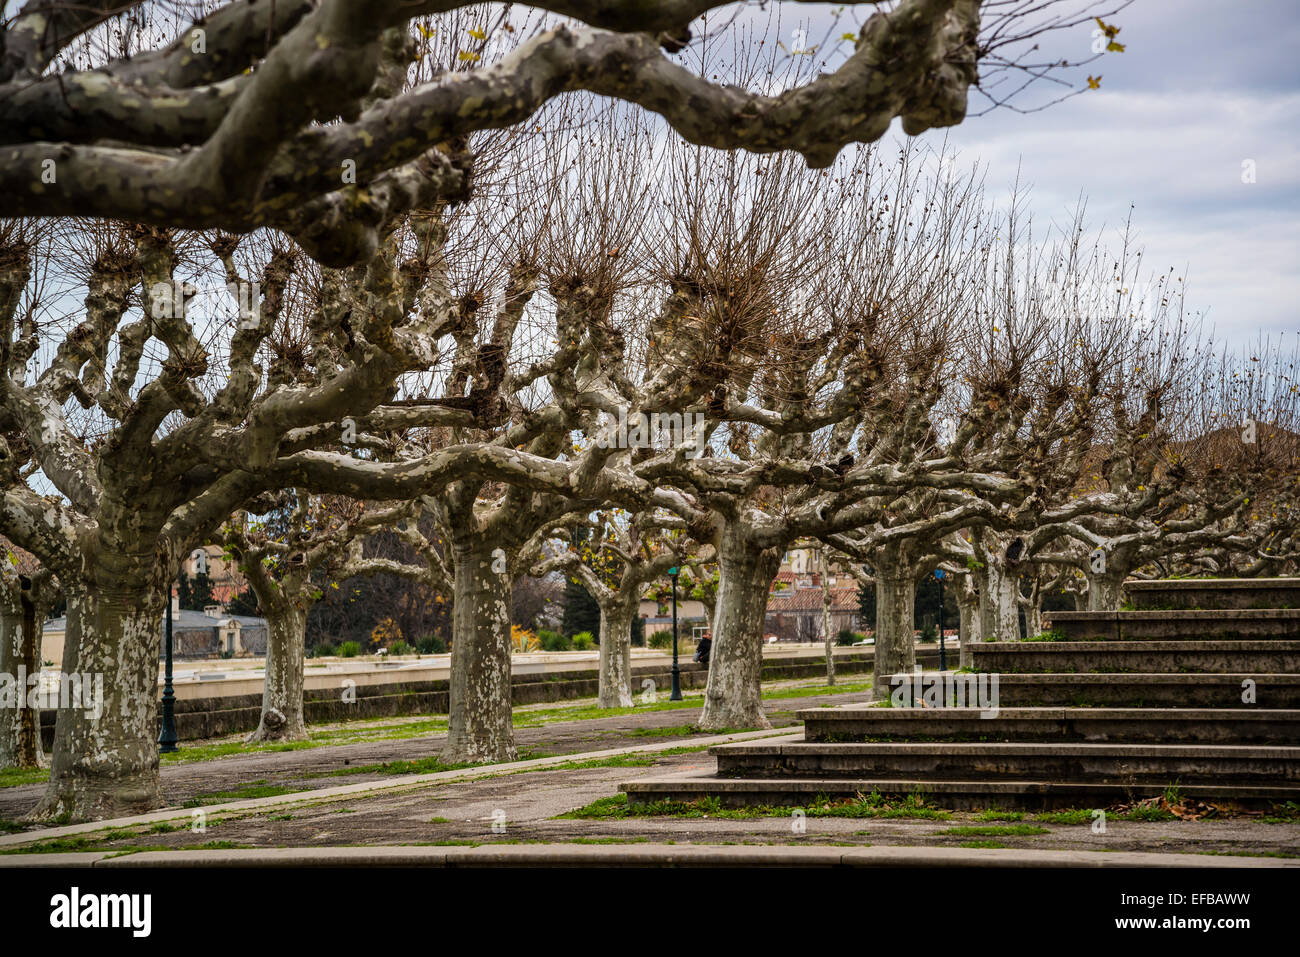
x,y
1122,706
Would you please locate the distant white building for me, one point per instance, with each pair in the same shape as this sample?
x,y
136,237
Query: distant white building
x,y
195,634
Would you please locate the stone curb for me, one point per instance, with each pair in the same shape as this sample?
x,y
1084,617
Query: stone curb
x,y
642,855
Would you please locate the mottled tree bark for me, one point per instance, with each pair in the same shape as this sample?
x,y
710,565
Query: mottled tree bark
x,y
733,697
106,764
895,617
616,654
286,647
968,609
1106,590
999,609
480,725
1033,617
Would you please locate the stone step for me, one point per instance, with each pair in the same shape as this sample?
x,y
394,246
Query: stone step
x,y
1230,624
1146,690
1263,657
867,723
957,795
1215,593
792,756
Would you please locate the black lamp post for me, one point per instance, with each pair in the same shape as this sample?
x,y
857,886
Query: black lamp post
x,y
167,736
943,661
677,673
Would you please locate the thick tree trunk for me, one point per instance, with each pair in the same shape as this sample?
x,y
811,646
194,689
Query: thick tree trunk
x,y
733,697
480,724
616,654
286,647
20,649
1033,618
895,618
968,608
105,760
1106,591
999,609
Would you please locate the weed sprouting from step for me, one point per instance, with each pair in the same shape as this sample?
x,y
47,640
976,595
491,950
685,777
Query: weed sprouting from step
x,y
994,814
1072,816
912,805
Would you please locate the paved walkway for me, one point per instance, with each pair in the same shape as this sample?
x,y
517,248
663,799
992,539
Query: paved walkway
x,y
509,814
514,808
313,768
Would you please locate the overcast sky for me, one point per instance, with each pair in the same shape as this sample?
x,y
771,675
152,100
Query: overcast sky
x,y
1202,86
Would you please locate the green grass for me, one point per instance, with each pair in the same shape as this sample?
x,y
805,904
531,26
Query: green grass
x,y
14,777
254,789
1146,813
98,841
993,814
1007,830
679,731
418,766
1287,813
1073,816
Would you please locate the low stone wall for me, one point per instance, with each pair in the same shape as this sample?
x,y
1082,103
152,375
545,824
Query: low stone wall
x,y
216,716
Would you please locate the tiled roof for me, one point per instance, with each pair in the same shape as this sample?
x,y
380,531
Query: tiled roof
x,y
810,599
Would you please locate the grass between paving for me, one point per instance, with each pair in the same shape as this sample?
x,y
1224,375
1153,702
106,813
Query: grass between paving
x,y
872,805
388,729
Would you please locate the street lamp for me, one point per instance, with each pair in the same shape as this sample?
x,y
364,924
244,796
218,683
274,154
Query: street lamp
x,y
677,672
167,736
943,661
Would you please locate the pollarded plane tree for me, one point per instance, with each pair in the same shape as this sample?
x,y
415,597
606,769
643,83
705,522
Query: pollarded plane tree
x,y
1258,388
273,124
1088,326
1015,401
538,355
156,409
846,314
1220,479
623,554
180,416
299,545
244,115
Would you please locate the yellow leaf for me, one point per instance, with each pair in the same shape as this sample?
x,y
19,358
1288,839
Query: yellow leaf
x,y
1107,28
478,34
466,57
1094,82
1114,47
427,31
